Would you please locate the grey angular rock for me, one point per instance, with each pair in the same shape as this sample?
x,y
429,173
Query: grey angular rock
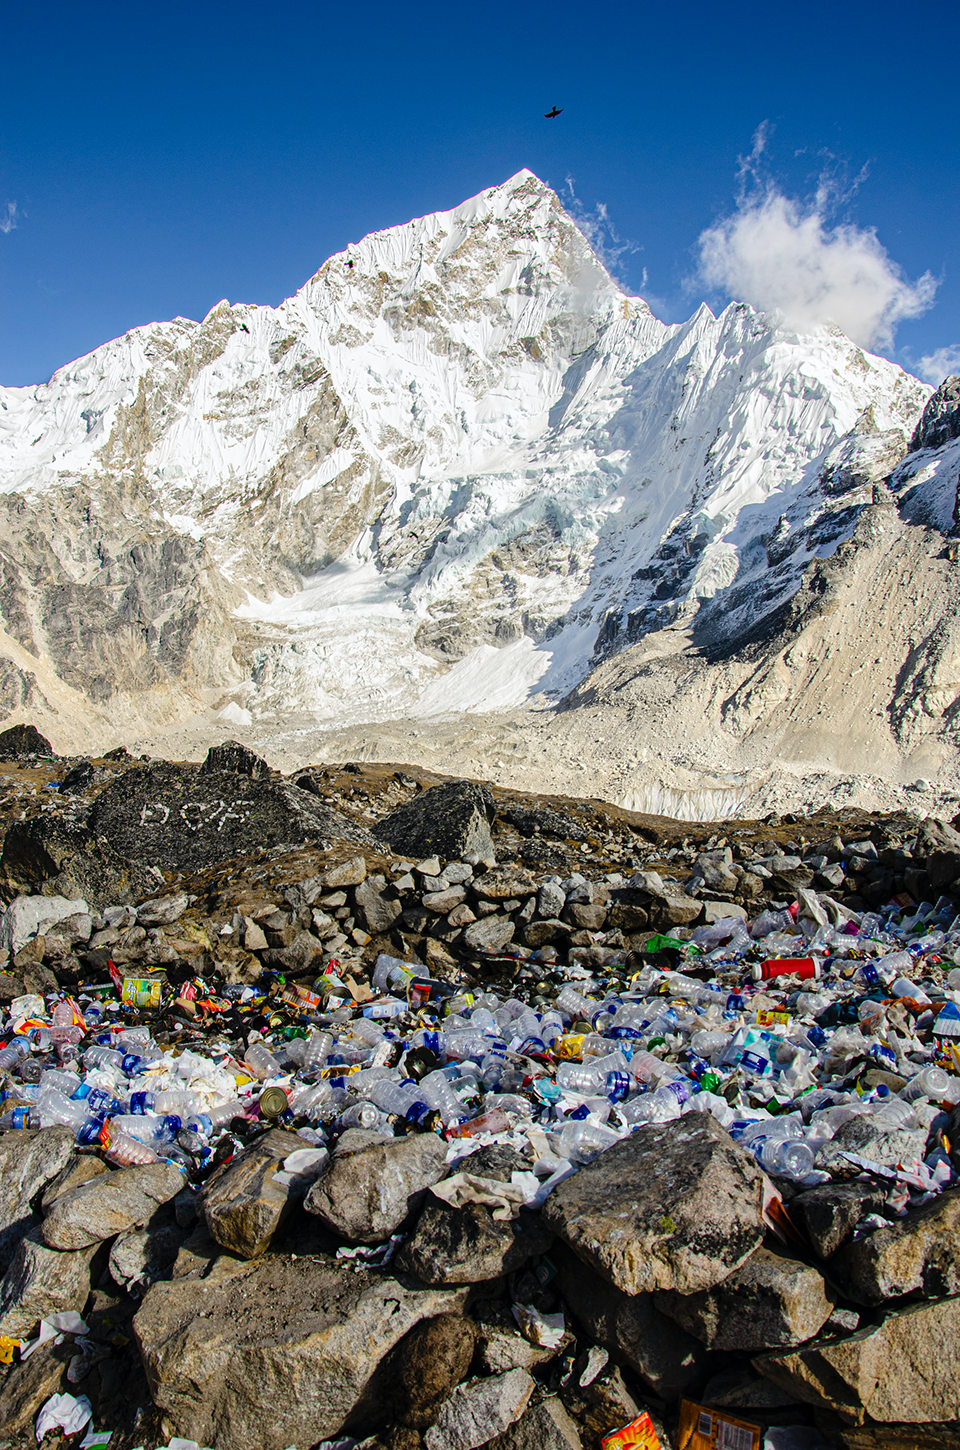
x,y
830,1212
29,1385
489,934
886,1146
79,1168
28,915
631,1326
477,1412
674,1206
276,1352
20,741
940,419
376,911
451,821
366,1195
162,910
236,759
425,1366
468,1245
175,817
140,1256
109,1205
550,899
42,1281
919,1254
503,883
242,1204
771,1302
28,1162
347,873
905,1369
543,1426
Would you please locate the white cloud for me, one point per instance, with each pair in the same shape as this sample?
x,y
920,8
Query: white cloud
x,y
782,255
939,365
599,231
8,217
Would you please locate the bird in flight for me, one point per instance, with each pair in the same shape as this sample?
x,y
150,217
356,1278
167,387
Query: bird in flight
x,y
549,115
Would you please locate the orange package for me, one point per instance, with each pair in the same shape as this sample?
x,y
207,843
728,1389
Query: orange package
x,y
638,1435
703,1429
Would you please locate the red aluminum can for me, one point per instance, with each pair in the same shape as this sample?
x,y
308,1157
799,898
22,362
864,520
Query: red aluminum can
x,y
804,967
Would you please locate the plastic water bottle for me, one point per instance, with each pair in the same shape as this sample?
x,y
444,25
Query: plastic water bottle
x,y
148,1127
496,1121
438,1094
127,1152
54,1109
364,1115
660,1106
785,1157
261,1061
473,1044
367,1031
220,1114
930,1082
319,1046
99,1102
569,1000
61,1081
401,1100
169,1101
12,1053
582,1141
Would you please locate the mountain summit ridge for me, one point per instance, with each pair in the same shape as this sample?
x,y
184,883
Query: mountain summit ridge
x,y
457,470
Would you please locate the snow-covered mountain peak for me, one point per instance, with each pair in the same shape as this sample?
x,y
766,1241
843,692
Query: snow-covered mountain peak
x,y
458,467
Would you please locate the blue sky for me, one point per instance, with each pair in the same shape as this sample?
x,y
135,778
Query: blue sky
x,y
155,159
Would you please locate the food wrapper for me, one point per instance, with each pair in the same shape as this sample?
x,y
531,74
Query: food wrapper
x,y
638,1435
142,992
707,1429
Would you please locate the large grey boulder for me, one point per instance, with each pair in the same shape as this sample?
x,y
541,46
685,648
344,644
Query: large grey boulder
x,y
830,1212
179,817
42,1281
376,911
674,1206
425,1367
242,1202
28,1162
277,1351
771,1301
451,821
366,1195
632,1328
905,1369
870,1139
140,1256
489,934
108,1205
28,915
477,1412
919,1254
468,1245
543,1426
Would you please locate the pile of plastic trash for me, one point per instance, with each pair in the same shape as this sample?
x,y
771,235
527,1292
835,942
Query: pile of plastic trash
x,y
784,1029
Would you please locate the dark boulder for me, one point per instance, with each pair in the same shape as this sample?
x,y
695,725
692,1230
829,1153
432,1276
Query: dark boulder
x,y
21,741
940,419
180,817
50,857
451,821
236,759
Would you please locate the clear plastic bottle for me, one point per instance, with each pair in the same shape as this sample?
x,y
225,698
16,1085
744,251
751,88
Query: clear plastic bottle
x,y
660,1106
222,1113
60,1081
930,1082
368,1032
54,1109
127,1152
147,1127
12,1053
786,1157
99,1102
261,1061
496,1121
582,1141
574,1004
401,1100
472,1044
436,1091
364,1115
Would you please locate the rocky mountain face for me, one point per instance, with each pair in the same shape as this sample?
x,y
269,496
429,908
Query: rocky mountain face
x,y
461,471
